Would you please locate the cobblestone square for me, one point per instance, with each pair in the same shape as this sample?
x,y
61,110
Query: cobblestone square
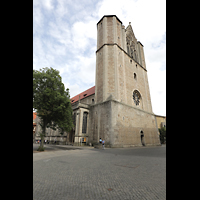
x,y
81,173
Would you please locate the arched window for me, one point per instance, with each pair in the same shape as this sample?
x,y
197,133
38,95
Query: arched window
x,y
132,47
135,76
142,138
136,97
128,50
84,126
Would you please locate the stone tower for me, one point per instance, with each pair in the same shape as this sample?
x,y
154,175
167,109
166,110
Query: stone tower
x,y
122,113
120,64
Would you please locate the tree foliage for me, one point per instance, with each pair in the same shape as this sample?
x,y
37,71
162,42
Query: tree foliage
x,y
51,101
162,134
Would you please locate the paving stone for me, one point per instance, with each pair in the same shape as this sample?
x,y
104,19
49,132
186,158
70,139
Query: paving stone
x,y
110,174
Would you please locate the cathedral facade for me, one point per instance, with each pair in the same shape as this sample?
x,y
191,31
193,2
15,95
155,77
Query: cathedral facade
x,y
118,108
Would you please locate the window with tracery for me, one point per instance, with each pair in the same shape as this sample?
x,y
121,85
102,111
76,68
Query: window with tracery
x,y
136,97
84,126
74,119
131,48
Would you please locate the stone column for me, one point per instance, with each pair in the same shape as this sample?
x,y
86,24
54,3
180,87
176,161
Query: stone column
x,y
77,127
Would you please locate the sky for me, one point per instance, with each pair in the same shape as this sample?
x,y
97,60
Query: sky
x,y
65,38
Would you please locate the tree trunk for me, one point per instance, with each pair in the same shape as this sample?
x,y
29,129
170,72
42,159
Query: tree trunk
x,y
43,134
42,140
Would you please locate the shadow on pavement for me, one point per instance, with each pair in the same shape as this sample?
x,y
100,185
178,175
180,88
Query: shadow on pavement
x,y
54,148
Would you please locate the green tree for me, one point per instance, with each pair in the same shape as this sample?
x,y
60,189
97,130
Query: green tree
x,y
51,101
162,134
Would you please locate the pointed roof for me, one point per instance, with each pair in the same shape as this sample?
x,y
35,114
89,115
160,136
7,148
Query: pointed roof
x,y
129,30
83,95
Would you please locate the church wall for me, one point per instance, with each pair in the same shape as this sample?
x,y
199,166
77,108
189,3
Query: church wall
x,y
140,84
100,122
121,81
142,56
88,100
99,76
110,31
139,46
147,90
120,125
111,72
100,34
128,122
118,34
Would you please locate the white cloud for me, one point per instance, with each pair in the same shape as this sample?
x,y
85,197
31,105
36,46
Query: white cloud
x,y
37,19
74,88
84,37
157,82
87,69
65,34
47,4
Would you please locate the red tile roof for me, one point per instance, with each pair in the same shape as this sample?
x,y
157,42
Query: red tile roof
x,y
83,95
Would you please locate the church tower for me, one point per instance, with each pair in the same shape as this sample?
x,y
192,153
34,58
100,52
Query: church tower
x,y
120,65
122,113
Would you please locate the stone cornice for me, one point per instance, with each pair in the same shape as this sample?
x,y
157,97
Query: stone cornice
x,y
122,50
113,100
109,16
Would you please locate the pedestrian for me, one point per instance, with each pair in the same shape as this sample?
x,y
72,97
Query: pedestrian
x,y
103,143
45,141
100,140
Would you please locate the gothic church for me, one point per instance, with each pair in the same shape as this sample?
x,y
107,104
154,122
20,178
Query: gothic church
x,y
118,108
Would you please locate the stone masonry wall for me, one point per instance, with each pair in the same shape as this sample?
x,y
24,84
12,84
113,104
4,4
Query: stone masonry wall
x,y
128,122
120,125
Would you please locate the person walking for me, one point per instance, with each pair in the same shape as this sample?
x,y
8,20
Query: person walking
x,y
100,140
103,143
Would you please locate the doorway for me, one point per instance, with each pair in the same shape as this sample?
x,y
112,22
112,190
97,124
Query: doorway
x,y
71,136
142,138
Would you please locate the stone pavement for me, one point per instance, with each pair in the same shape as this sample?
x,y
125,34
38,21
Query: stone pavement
x,y
96,174
53,147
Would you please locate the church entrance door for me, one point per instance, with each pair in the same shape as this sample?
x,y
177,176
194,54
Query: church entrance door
x,y
142,138
71,136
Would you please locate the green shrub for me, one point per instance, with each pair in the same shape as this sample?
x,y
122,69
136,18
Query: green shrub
x,y
162,135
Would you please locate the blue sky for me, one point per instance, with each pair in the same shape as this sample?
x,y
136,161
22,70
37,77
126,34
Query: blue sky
x,y
65,38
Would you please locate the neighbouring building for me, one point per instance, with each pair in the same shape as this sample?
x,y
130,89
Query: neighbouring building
x,y
34,125
161,121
